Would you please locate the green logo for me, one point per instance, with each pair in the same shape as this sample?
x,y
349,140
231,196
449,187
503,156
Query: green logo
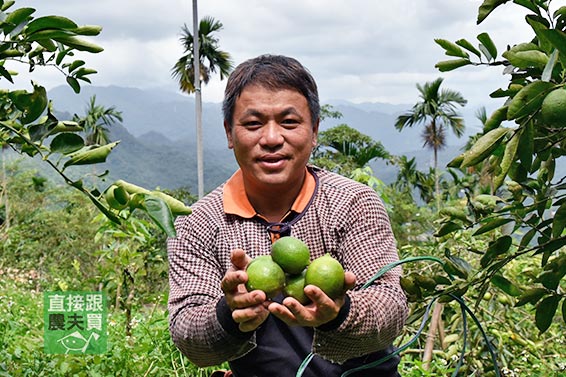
x,y
75,322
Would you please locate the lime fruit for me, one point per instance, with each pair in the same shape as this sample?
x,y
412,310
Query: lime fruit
x,y
326,273
266,275
292,254
295,287
553,109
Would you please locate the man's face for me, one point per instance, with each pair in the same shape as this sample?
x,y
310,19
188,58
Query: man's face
x,y
272,136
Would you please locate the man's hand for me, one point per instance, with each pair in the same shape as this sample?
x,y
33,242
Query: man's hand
x,y
249,309
321,310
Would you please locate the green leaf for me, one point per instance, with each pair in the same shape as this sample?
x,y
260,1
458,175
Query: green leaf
x,y
73,83
91,155
526,59
457,266
531,296
76,64
66,143
4,72
81,72
496,248
447,228
80,44
31,104
451,49
468,46
559,221
449,65
539,25
564,310
529,99
486,41
528,4
160,213
495,119
558,40
487,7
550,279
15,18
527,238
526,146
49,22
483,147
545,312
87,30
506,285
508,158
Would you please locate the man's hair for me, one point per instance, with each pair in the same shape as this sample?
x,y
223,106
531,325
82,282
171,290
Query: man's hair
x,y
272,72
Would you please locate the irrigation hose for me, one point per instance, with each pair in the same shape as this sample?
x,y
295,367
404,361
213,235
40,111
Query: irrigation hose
x,y
465,311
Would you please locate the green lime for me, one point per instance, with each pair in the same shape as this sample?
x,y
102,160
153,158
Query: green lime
x,y
266,275
291,254
553,108
326,273
295,287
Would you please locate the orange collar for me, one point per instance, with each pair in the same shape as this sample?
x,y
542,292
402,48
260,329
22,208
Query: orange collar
x,y
236,201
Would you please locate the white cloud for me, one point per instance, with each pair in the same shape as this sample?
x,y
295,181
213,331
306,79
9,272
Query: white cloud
x,y
358,50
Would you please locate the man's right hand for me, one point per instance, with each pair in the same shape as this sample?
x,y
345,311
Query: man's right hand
x,y
249,309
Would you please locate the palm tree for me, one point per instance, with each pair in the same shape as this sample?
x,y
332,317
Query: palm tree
x,y
96,121
437,111
184,70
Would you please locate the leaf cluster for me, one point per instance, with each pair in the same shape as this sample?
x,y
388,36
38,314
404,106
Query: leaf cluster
x,y
524,214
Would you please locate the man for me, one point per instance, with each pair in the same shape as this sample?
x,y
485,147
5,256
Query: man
x,y
271,117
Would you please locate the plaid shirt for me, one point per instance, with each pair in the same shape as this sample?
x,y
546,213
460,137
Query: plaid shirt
x,y
345,218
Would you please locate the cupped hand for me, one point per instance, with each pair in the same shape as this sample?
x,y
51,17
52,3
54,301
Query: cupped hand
x,y
249,309
320,310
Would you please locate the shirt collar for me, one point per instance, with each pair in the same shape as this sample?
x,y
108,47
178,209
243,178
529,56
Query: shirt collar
x,y
236,201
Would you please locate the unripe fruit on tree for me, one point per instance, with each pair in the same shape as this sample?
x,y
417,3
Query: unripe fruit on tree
x,y
553,108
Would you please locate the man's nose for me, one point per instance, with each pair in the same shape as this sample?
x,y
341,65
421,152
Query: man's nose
x,y
272,135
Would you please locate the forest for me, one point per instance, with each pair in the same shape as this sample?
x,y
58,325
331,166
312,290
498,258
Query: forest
x,y
481,240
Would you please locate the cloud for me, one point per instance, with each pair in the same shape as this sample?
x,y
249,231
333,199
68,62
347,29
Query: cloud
x,y
358,50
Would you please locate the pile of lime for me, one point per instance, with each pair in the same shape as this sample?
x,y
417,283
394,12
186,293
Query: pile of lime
x,y
288,270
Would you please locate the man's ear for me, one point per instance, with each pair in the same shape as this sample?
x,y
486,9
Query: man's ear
x,y
228,131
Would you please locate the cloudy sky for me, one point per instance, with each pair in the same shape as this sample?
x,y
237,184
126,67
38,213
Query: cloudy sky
x,y
358,50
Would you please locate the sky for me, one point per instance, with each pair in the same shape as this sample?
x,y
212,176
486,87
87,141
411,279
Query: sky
x,y
357,50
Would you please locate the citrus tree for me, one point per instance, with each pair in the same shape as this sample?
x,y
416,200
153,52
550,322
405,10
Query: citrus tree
x,y
29,126
522,142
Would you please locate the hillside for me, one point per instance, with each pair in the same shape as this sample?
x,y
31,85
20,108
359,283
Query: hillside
x,y
158,147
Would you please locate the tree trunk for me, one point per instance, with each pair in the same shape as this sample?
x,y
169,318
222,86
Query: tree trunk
x,y
431,336
436,180
4,193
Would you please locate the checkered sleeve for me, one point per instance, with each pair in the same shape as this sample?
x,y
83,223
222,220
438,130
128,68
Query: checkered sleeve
x,y
194,280
378,313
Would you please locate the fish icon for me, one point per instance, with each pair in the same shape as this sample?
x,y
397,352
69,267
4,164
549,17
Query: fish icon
x,y
77,342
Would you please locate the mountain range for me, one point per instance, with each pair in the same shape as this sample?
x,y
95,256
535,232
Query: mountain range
x,y
158,147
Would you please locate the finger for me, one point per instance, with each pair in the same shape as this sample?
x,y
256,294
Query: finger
x,y
349,280
239,259
283,313
247,300
325,306
250,318
232,280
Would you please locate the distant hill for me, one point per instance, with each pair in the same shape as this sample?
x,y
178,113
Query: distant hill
x,y
158,147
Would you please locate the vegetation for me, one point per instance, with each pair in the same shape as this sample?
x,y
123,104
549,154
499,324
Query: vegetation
x,y
493,255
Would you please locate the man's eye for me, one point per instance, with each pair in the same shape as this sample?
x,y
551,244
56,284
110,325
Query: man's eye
x,y
290,121
252,123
